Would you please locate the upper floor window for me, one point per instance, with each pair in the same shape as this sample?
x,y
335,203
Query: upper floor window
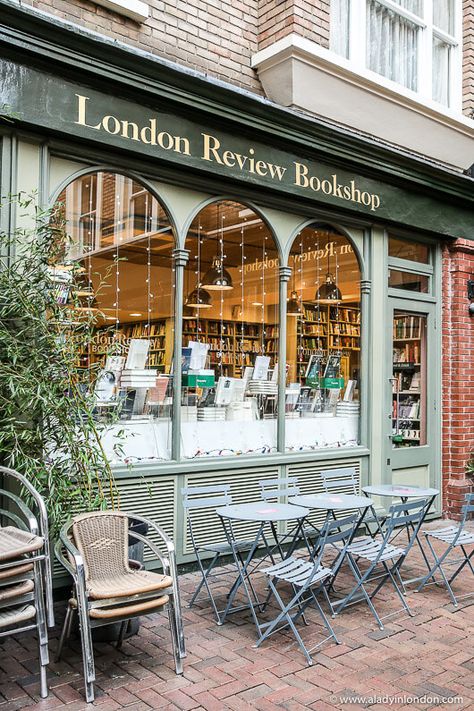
x,y
414,43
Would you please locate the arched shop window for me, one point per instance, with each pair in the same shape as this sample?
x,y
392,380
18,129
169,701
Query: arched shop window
x,y
323,342
230,334
121,243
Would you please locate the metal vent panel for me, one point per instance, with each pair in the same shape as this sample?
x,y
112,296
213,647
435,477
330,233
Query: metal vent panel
x,y
207,527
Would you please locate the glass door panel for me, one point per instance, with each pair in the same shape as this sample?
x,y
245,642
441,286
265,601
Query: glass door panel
x,y
409,410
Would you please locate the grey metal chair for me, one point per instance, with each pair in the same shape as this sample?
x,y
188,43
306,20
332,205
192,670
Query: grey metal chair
x,y
93,548
381,552
307,578
454,537
195,500
334,480
282,489
26,601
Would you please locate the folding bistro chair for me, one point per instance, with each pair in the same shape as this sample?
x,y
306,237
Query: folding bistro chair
x,y
93,548
380,552
195,499
307,578
334,479
454,537
26,601
278,489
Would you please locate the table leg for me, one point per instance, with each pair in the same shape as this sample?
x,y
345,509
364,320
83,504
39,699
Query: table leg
x,y
418,541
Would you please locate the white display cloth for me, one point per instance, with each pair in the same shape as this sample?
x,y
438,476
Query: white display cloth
x,y
151,440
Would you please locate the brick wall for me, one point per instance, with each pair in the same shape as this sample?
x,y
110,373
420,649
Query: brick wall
x,y
458,375
279,18
217,37
468,58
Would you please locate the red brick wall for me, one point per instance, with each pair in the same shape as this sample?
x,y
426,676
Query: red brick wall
x,y
458,375
217,37
468,57
279,18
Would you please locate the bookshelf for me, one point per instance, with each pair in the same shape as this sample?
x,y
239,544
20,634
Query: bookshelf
x,y
408,425
238,343
325,329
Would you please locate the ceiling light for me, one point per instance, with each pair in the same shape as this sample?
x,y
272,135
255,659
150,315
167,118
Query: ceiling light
x,y
293,306
137,314
217,278
199,299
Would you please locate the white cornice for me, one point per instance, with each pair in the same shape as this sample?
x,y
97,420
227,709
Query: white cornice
x,y
134,9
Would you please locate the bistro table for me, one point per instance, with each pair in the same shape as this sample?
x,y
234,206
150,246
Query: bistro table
x,y
335,502
265,514
404,493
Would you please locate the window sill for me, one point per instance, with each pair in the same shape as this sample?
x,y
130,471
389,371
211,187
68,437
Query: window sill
x,y
133,9
299,73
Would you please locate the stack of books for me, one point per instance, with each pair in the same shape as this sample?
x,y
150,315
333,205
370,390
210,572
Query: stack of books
x,y
138,378
344,408
211,414
189,413
263,387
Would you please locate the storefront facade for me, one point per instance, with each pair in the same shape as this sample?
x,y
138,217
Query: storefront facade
x,y
206,216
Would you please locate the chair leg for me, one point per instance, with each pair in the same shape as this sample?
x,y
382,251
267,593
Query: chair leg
x,y
121,635
42,628
205,573
174,629
466,561
87,648
65,632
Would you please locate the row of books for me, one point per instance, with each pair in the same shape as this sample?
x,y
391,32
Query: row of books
x,y
410,353
337,313
403,381
344,329
406,327
141,330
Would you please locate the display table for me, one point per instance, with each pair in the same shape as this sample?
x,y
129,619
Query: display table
x,y
151,439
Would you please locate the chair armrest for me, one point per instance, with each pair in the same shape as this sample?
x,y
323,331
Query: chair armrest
x,y
165,562
163,535
77,570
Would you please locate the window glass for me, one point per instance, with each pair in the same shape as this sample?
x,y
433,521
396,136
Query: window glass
x,y
120,246
441,61
409,380
443,15
406,249
339,29
323,342
408,281
230,335
392,45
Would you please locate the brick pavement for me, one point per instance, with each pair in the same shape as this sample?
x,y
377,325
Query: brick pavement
x,y
429,656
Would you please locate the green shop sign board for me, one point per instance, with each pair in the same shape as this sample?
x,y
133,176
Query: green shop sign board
x,y
71,109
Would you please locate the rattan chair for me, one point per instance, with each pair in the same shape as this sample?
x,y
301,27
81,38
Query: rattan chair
x,y
26,601
93,548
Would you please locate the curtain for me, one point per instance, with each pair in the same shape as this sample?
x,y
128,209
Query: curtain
x,y
339,29
443,15
441,57
392,43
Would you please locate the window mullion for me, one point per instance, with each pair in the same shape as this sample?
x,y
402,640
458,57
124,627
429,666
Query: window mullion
x,y
455,63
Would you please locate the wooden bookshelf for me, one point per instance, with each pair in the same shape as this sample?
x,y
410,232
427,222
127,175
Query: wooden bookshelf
x,y
408,418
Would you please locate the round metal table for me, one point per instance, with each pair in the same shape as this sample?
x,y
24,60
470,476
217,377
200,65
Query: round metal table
x,y
266,514
331,502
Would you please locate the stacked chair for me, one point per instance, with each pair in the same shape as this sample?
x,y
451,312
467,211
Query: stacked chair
x,y
93,548
26,601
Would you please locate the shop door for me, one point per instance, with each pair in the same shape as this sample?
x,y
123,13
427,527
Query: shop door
x,y
412,411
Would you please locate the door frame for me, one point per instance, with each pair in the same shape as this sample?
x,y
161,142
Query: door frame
x,y
430,454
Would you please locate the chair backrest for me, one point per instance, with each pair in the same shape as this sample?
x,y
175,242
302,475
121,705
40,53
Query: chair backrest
x,y
335,479
202,497
409,513
101,538
273,489
333,531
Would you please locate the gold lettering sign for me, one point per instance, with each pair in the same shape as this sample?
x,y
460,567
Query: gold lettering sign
x,y
213,150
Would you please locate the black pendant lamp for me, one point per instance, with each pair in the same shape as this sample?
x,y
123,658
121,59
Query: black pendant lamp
x,y
217,278
328,292
199,298
293,306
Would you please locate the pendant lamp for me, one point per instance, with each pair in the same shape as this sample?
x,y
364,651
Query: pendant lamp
x,y
217,278
188,313
199,298
293,306
328,292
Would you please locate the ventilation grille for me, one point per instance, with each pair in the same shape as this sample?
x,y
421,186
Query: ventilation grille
x,y
207,527
310,482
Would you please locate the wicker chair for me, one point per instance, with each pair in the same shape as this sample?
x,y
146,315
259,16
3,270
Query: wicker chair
x,y
26,601
93,548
